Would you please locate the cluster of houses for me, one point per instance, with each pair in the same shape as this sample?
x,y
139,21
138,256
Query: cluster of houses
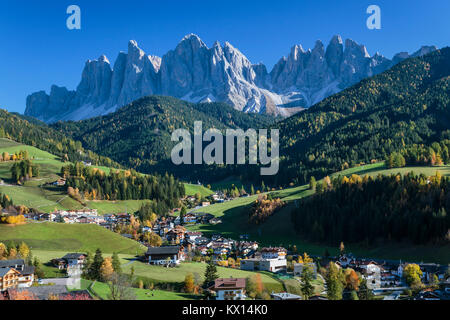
x,y
85,216
388,273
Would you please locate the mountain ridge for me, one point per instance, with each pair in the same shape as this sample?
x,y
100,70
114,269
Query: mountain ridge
x,y
196,73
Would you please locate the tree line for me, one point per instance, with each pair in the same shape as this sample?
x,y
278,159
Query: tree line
x,y
24,170
419,154
95,184
17,156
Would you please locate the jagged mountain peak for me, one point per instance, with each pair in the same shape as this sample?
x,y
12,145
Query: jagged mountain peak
x,y
222,73
103,58
336,39
193,40
424,50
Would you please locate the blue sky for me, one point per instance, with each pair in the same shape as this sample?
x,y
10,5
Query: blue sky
x,y
38,50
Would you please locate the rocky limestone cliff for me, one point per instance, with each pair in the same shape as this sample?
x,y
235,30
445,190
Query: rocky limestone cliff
x,y
197,73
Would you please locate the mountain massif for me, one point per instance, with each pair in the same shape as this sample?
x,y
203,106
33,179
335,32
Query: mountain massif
x,y
404,106
196,73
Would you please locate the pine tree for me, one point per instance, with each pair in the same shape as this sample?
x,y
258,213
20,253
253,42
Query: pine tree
x,y
364,293
307,278
39,273
210,274
94,271
87,266
116,263
182,215
334,283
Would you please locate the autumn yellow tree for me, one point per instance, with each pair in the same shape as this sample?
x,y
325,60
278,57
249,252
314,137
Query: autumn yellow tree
x,y
189,284
147,223
24,251
153,239
106,269
413,274
342,248
351,279
3,251
12,253
305,259
259,283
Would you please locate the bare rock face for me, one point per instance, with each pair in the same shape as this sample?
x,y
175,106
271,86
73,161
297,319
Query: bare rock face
x,y
197,73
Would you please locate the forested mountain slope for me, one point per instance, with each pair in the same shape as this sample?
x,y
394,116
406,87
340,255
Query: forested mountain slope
x,y
406,105
139,135
32,132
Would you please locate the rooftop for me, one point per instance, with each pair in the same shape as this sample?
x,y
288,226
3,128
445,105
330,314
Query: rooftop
x,y
230,283
286,296
164,250
11,263
74,255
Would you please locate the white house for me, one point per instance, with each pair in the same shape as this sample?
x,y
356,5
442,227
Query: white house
x,y
274,253
271,265
230,289
74,263
168,255
272,260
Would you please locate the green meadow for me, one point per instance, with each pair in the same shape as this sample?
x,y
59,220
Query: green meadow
x,y
48,199
101,291
193,189
160,274
69,237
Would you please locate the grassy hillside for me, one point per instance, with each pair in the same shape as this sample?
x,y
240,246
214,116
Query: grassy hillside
x,y
380,168
193,189
101,291
278,230
47,199
64,237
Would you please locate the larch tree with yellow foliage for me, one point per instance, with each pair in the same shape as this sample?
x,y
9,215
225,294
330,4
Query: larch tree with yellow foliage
x,y
106,269
24,250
